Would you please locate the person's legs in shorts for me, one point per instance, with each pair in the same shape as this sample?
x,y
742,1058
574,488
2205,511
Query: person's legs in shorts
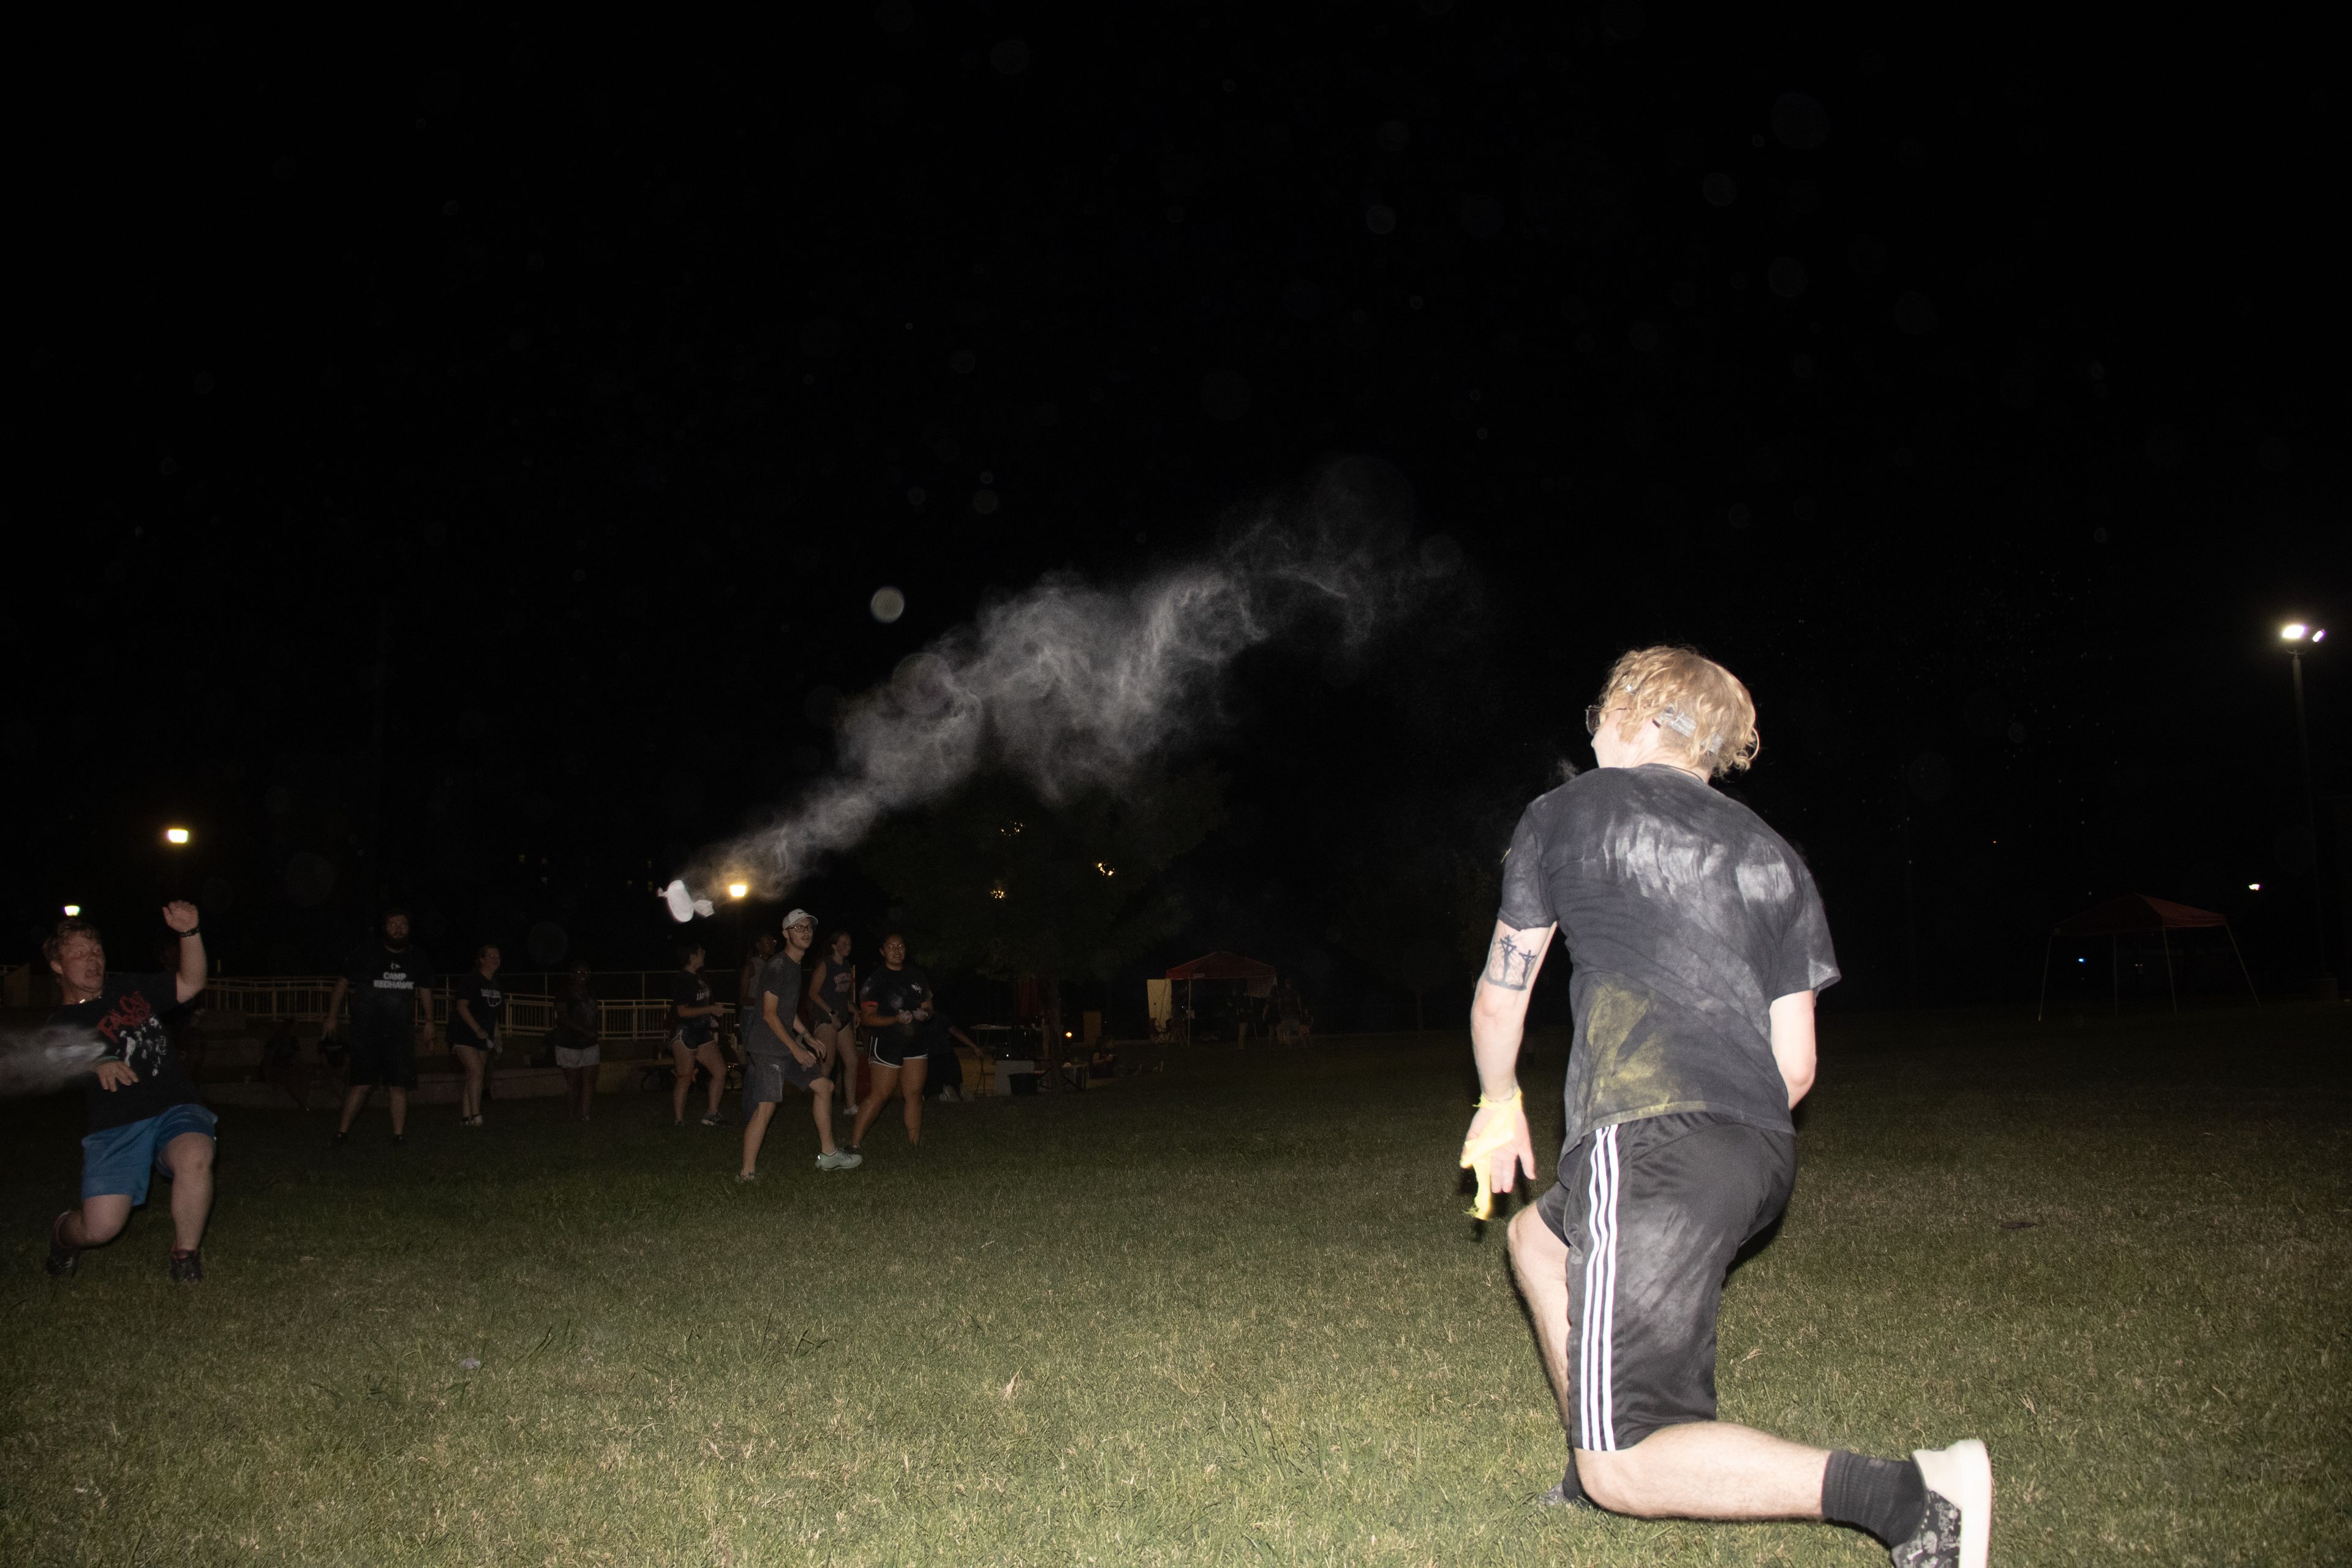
x,y
118,1164
472,1061
368,1065
883,1063
708,1055
1655,1213
910,1094
681,1058
763,1086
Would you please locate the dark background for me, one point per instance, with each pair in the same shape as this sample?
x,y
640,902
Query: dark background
x,y
456,468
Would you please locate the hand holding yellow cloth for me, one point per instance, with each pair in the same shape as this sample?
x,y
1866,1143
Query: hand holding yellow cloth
x,y
1506,1135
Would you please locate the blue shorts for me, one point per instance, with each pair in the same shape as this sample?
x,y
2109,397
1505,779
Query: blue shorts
x,y
121,1159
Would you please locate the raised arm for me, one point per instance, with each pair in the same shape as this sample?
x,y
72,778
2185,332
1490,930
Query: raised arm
x,y
1792,1042
181,917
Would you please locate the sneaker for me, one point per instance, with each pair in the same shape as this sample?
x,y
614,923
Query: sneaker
x,y
713,1121
839,1159
948,1096
63,1259
742,1176
1956,1530
398,1139
1562,1496
188,1267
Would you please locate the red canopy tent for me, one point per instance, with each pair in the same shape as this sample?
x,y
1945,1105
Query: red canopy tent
x,y
1257,978
2134,913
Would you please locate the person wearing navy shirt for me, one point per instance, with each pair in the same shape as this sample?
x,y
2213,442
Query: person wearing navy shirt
x,y
142,1111
694,1036
895,1005
477,1003
386,979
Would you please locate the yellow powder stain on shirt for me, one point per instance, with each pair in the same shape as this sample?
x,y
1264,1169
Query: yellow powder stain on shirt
x,y
1628,1064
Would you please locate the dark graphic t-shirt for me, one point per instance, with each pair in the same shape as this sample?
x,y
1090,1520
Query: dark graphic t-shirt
x,y
691,991
486,999
384,986
781,980
1686,917
899,991
126,1016
833,988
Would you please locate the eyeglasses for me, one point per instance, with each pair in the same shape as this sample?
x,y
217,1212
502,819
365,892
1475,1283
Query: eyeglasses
x,y
1592,717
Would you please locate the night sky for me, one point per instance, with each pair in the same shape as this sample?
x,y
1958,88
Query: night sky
x,y
456,468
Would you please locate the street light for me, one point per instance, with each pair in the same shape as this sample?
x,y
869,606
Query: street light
x,y
175,836
72,909
2295,634
737,890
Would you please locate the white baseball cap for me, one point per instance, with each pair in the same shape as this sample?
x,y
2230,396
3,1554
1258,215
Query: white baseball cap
x,y
799,915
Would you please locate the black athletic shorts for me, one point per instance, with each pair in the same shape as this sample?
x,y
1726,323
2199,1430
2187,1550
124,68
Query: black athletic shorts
x,y
1653,1212
894,1047
387,1056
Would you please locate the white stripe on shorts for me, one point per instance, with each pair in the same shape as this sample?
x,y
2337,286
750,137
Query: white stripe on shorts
x,y
1598,1426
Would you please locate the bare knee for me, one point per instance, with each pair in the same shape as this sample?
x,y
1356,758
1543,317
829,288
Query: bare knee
x,y
103,1222
190,1155
1533,1245
1613,1481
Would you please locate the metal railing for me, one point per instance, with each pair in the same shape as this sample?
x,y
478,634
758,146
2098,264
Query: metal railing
x,y
303,998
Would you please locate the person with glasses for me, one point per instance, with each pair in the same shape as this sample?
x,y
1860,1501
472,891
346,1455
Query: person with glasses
x,y
1698,945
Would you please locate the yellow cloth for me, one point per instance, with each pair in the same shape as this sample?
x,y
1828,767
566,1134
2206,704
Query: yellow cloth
x,y
1476,1150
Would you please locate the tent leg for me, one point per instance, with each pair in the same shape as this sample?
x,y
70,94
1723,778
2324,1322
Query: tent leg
x,y
2042,1007
2168,985
2241,963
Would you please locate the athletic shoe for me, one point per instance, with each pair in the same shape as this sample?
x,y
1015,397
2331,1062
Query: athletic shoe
x,y
398,1139
63,1259
713,1121
742,1176
839,1159
1956,1530
188,1267
948,1096
1562,1497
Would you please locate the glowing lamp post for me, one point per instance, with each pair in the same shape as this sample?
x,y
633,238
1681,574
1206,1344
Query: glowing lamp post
x,y
72,909
2298,636
175,836
737,890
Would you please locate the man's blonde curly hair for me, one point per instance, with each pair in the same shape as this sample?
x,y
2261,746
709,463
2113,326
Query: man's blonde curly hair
x,y
1707,716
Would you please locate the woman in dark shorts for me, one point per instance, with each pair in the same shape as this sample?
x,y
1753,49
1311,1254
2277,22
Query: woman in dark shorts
x,y
830,1012
477,1003
894,1004
694,1037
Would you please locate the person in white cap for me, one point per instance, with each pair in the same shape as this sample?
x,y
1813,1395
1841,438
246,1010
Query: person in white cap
x,y
778,1050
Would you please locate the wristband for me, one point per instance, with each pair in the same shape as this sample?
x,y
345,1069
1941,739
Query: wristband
x,y
196,930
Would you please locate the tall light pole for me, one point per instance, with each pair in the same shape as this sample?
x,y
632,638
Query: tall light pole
x,y
2298,636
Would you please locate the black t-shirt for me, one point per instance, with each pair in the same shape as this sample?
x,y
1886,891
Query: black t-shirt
x,y
832,988
126,1016
384,986
690,990
486,999
899,991
1686,917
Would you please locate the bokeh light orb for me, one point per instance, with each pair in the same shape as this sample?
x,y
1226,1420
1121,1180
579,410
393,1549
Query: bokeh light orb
x,y
887,605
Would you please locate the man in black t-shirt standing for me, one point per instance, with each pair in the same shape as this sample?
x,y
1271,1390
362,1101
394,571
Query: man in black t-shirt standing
x,y
1698,943
144,1113
386,979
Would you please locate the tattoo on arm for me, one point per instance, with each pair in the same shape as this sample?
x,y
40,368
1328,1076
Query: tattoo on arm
x,y
1511,962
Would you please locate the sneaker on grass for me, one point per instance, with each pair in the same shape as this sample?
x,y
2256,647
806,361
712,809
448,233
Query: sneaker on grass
x,y
1956,1530
839,1159
188,1267
712,1119
62,1259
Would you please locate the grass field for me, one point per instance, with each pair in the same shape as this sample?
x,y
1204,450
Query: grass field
x,y
1230,1314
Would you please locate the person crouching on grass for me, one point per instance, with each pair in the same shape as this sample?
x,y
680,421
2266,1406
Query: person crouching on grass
x,y
778,1050
579,1029
476,1003
1698,943
144,1113
694,1037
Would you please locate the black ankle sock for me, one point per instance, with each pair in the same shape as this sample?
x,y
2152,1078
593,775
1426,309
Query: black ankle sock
x,y
1570,1489
1884,1497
